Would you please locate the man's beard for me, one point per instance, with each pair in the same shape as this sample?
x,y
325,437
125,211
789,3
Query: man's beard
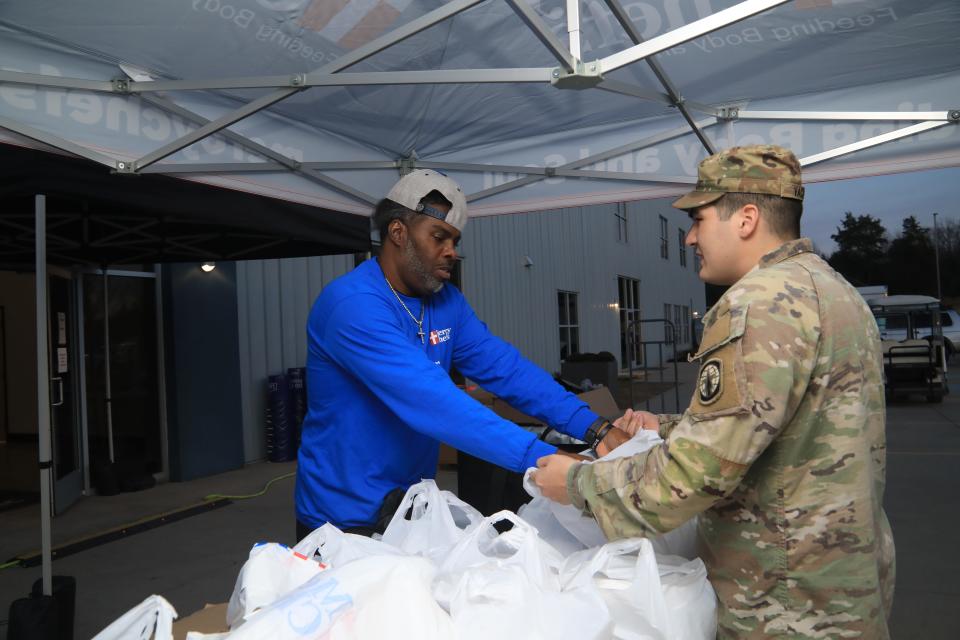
x,y
429,281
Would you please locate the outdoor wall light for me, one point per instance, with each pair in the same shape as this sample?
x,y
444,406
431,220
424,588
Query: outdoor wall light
x,y
208,266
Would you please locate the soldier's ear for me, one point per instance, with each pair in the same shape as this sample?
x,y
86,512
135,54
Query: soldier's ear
x,y
748,221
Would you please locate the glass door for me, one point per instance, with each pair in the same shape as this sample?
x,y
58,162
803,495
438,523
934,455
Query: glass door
x,y
123,374
63,341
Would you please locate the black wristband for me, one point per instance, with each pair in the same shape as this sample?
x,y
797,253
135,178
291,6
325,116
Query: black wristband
x,y
604,430
590,436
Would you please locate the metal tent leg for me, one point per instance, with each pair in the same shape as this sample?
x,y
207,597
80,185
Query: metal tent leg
x,y
43,394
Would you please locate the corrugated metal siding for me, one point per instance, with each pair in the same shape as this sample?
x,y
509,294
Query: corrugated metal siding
x,y
574,250
274,299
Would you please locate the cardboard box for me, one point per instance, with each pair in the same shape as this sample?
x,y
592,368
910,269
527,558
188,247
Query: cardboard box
x,y
600,400
602,403
211,619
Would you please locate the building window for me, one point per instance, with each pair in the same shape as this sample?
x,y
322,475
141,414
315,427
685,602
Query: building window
x,y
621,216
631,347
569,323
682,248
667,315
664,245
686,324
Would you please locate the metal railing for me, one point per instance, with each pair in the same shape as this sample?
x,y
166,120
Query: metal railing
x,y
670,339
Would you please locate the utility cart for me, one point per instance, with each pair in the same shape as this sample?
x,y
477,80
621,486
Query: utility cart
x,y
914,360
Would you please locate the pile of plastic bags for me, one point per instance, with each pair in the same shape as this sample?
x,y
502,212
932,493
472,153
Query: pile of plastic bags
x,y
443,571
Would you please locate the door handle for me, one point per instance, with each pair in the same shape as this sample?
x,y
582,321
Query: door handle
x,y
59,382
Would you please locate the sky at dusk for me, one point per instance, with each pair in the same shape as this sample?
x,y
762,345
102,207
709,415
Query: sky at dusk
x,y
890,198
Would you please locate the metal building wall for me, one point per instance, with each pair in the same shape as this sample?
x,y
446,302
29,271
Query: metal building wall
x,y
574,250
274,299
571,249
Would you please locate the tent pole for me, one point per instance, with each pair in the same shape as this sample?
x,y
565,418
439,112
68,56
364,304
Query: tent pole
x,y
662,77
544,34
106,361
573,26
597,157
56,141
686,33
355,56
43,394
871,142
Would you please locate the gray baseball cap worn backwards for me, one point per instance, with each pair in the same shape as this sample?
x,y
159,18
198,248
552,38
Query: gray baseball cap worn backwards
x,y
411,189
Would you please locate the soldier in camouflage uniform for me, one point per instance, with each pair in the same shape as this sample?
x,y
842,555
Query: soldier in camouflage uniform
x,y
782,450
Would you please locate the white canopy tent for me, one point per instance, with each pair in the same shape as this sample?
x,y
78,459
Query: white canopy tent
x,y
528,104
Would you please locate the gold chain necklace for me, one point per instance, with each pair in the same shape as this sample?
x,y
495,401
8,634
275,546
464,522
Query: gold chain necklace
x,y
423,305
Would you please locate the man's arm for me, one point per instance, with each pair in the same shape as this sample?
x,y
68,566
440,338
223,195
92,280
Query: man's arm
x,y
363,338
711,448
499,368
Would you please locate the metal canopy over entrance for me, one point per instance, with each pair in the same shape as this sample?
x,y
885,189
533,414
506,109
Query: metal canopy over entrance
x,y
529,104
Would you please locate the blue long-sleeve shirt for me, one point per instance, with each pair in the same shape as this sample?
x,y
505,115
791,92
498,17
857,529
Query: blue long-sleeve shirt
x,y
379,401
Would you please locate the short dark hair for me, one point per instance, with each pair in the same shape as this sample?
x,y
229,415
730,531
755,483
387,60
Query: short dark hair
x,y
782,214
386,211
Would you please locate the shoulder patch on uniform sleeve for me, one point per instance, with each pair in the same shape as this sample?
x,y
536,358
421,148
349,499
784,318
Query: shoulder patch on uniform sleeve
x,y
710,381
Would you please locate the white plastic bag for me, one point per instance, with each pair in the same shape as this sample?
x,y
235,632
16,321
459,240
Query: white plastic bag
x,y
552,517
152,618
540,513
689,596
584,529
507,586
334,548
433,526
272,570
519,547
366,599
646,601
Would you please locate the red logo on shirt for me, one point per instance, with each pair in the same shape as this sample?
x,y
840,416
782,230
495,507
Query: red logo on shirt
x,y
438,336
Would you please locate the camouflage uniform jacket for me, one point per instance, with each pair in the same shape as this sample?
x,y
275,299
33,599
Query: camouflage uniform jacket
x,y
782,455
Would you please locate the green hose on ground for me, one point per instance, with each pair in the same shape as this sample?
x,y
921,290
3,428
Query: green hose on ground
x,y
219,496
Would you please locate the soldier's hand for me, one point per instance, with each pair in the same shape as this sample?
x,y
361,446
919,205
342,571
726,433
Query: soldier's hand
x,y
614,438
551,476
632,422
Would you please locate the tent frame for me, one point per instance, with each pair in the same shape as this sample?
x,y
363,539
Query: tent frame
x,y
571,74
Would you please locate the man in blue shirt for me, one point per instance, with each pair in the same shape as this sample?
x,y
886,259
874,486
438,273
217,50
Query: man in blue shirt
x,y
381,342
